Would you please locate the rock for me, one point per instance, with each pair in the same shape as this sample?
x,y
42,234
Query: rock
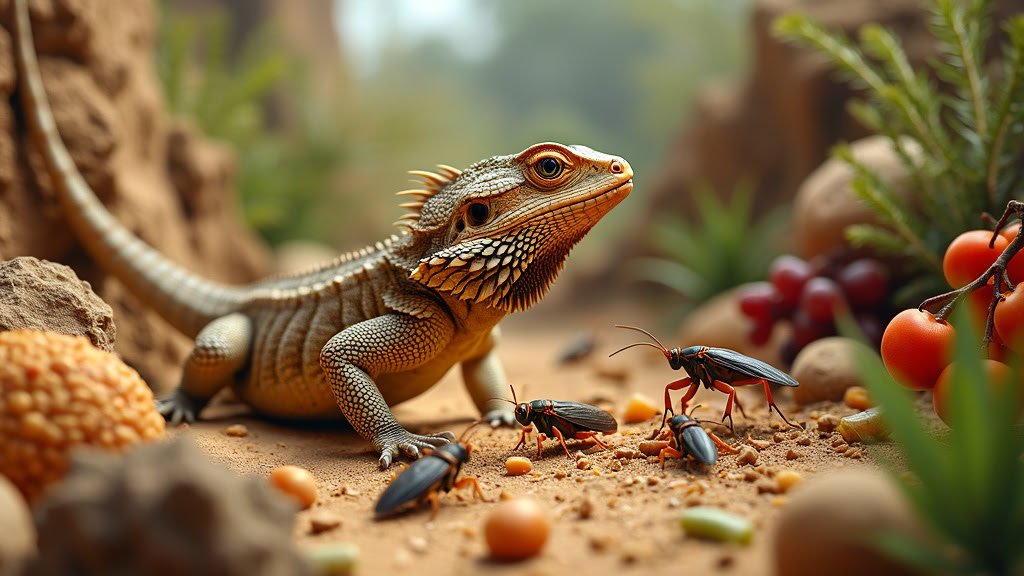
x,y
97,63
825,205
719,322
825,369
19,535
826,527
164,509
49,297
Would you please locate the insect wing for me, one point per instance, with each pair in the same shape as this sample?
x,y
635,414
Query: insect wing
x,y
417,479
698,444
752,367
585,416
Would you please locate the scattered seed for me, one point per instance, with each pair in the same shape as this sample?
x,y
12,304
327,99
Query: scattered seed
x,y
639,408
854,453
653,480
716,524
625,453
296,482
778,437
615,466
652,447
759,444
517,466
857,397
418,544
237,431
505,495
792,454
804,440
786,479
560,474
749,475
863,426
583,464
336,559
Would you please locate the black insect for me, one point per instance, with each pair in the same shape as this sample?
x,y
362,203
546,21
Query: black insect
x,y
716,368
687,438
560,420
437,470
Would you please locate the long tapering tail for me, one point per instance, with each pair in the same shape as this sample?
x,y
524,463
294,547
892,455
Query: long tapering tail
x,y
183,299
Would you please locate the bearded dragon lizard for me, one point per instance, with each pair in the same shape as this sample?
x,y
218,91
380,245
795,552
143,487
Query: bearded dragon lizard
x,y
377,326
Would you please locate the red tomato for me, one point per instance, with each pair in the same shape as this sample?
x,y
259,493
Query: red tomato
x,y
1015,268
916,347
997,374
1010,319
968,256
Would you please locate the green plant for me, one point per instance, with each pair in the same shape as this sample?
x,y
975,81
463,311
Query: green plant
x,y
967,483
723,247
283,173
960,138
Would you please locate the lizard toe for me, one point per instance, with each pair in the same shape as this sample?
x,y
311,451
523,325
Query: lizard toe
x,y
387,455
178,407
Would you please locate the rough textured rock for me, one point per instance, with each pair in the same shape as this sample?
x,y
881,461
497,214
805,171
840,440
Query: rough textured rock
x,y
826,204
825,527
164,509
164,182
19,540
825,369
47,296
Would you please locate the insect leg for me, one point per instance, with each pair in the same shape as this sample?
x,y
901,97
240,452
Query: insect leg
x,y
435,503
672,453
723,387
522,437
471,481
561,440
592,436
722,445
677,385
540,438
771,404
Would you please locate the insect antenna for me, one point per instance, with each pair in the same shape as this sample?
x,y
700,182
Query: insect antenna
x,y
659,346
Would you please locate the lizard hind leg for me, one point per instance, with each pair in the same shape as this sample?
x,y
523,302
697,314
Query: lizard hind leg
x,y
221,350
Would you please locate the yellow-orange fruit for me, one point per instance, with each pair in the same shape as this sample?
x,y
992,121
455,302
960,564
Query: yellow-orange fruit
x,y
517,466
640,408
296,482
57,393
516,529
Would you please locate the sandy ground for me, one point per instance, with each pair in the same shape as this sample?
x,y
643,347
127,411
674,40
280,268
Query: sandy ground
x,y
633,526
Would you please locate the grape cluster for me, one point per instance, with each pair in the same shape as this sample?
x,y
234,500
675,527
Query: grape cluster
x,y
810,295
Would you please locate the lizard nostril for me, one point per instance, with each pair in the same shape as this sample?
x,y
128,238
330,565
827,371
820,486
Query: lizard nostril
x,y
616,167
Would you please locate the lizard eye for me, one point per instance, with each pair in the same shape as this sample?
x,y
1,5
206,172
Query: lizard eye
x,y
478,214
548,168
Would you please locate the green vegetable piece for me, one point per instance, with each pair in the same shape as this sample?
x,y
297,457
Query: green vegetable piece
x,y
716,524
864,426
338,559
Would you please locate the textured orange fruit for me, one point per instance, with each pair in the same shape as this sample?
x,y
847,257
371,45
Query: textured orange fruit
x,y
57,393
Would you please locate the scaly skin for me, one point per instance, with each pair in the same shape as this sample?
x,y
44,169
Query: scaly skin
x,y
375,327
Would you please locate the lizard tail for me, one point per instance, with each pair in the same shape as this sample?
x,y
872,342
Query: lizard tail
x,y
183,299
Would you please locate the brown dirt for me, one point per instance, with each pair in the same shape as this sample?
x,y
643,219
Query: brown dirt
x,y
634,525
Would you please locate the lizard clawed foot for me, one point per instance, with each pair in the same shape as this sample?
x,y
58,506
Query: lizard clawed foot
x,y
403,441
178,407
500,417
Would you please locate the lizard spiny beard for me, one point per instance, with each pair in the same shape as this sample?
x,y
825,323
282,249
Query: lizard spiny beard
x,y
510,273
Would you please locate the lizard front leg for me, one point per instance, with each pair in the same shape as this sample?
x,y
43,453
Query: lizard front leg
x,y
221,350
390,343
485,380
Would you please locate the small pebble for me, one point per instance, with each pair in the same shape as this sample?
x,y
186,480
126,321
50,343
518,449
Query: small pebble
x,y
625,453
827,423
759,444
804,440
583,464
615,466
560,474
792,454
237,431
418,544
778,438
747,455
337,559
601,542
585,509
323,522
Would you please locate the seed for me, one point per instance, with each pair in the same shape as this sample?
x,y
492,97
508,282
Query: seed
x,y
516,529
747,455
337,559
295,482
639,408
237,431
716,524
786,479
517,466
857,397
863,426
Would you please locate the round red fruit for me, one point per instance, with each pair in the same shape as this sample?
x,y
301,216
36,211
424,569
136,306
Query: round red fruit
x,y
1009,319
822,299
1015,267
997,375
865,282
789,274
758,301
968,256
916,348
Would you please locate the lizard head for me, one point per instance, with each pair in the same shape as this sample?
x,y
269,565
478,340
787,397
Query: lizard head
x,y
498,232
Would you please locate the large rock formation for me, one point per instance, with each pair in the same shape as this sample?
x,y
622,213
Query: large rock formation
x,y
159,177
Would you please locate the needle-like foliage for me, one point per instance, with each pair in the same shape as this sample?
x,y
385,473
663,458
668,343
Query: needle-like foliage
x,y
958,128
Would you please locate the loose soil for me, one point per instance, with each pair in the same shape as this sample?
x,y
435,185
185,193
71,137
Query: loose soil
x,y
616,516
